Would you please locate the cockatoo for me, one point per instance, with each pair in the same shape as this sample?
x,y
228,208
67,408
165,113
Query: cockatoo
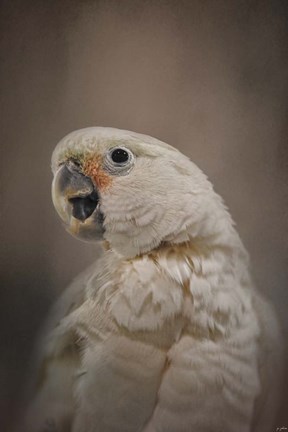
x,y
166,332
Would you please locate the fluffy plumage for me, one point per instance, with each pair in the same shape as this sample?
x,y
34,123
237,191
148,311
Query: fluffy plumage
x,y
165,333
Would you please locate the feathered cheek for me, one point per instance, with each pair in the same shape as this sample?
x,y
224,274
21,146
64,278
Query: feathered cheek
x,y
92,167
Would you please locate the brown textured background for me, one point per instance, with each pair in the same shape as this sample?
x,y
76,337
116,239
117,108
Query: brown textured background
x,y
209,77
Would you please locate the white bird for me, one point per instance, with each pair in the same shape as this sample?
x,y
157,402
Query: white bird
x,y
166,332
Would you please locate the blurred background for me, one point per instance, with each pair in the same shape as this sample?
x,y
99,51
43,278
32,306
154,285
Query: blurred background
x,y
209,77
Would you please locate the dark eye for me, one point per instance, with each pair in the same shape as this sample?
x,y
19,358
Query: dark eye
x,y
119,155
119,161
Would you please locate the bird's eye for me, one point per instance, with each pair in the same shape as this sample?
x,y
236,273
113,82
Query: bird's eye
x,y
119,160
119,155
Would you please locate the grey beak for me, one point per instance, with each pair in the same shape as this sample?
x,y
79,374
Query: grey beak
x,y
79,190
83,207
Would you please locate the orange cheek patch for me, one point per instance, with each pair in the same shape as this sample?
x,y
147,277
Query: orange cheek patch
x,y
92,167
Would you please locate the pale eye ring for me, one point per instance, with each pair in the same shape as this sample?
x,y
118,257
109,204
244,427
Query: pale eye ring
x,y
119,160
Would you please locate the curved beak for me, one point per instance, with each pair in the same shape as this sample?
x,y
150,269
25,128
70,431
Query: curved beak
x,y
77,202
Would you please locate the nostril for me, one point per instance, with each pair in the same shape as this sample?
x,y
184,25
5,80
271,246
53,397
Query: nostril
x,y
73,165
83,207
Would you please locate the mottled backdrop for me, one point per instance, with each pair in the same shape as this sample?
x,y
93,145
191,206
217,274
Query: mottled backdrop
x,y
209,77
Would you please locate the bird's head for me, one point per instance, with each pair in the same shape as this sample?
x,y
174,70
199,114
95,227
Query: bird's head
x,y
132,190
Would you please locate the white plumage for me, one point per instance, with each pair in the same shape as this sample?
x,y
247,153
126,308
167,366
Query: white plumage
x,y
165,333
